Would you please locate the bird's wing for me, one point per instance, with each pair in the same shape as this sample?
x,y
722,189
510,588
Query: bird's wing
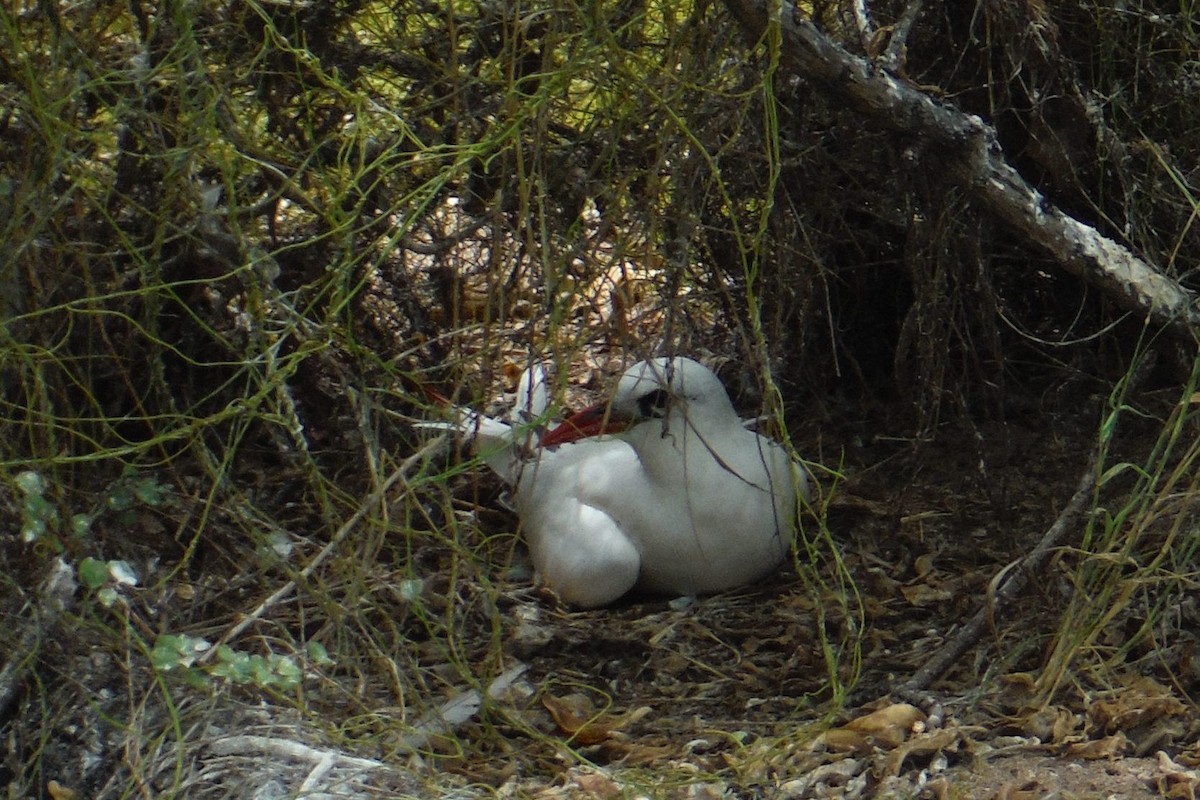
x,y
569,501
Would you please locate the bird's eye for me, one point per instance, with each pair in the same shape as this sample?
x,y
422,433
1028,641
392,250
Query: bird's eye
x,y
654,404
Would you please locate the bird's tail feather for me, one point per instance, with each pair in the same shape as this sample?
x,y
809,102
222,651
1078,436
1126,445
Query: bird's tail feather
x,y
502,444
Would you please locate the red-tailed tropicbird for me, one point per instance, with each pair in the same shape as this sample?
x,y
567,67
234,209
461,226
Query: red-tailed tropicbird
x,y
684,501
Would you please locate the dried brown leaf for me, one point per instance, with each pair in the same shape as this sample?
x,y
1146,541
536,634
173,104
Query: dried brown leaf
x,y
923,566
59,792
924,595
593,784
575,716
841,740
888,726
923,744
1109,747
1025,790
1145,700
1176,781
1052,724
1065,725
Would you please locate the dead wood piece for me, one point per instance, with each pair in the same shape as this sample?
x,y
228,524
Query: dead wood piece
x,y
286,749
277,750
972,154
1012,582
895,55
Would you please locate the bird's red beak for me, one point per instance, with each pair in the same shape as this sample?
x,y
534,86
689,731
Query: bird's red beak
x,y
591,421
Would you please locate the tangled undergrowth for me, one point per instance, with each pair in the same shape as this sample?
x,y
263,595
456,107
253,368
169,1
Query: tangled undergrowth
x,y
247,243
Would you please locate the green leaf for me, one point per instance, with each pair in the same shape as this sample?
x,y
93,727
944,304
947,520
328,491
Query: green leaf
x,y
120,498
319,655
232,665
171,651
165,654
93,573
288,671
151,492
80,525
31,483
411,589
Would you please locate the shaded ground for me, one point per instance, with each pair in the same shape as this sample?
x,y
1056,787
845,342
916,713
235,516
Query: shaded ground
x,y
250,232
722,694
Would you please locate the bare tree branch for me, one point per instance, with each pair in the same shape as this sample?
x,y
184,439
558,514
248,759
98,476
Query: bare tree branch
x,y
896,54
972,155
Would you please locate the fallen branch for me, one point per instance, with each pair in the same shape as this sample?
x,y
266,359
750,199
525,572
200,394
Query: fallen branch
x,y
971,153
286,749
1011,581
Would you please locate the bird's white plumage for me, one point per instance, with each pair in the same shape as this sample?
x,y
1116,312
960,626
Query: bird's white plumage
x,y
686,501
581,546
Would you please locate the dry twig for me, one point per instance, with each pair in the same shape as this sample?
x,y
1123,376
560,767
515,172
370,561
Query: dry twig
x,y
284,591
1010,586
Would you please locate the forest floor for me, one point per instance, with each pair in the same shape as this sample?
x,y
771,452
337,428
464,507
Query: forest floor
x,y
723,696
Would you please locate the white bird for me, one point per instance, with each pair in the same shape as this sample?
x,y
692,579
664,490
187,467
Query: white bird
x,y
685,501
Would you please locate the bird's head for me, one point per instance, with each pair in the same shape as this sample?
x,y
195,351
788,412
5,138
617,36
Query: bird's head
x,y
648,390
